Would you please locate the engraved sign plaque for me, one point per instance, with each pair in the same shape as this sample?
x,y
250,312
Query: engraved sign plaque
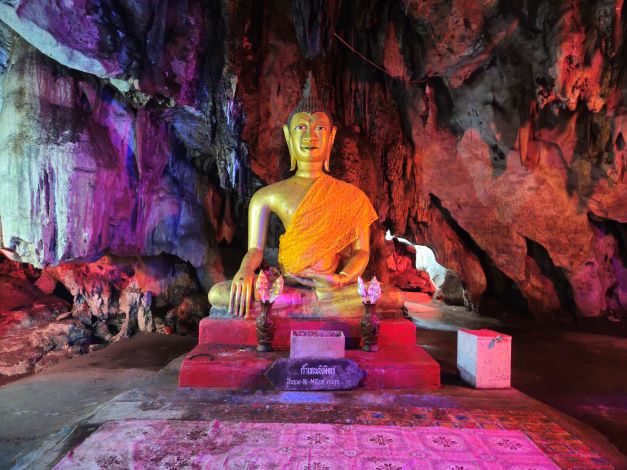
x,y
315,374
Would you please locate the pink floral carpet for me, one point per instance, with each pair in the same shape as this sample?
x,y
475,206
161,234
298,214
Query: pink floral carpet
x,y
255,446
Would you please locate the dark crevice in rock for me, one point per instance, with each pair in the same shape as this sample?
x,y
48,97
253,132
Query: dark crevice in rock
x,y
613,265
534,15
498,160
502,293
562,286
403,99
459,231
212,61
499,288
114,27
62,292
445,106
616,229
313,26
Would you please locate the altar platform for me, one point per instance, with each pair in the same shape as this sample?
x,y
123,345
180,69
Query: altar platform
x,y
137,379
225,356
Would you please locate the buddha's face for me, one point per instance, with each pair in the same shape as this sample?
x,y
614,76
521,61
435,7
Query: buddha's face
x,y
310,137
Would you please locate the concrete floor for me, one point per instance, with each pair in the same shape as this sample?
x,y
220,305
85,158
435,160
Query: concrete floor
x,y
43,416
581,374
39,412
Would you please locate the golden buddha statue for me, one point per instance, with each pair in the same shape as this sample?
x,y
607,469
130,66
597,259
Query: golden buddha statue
x,y
326,244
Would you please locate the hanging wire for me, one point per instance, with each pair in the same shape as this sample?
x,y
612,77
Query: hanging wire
x,y
424,79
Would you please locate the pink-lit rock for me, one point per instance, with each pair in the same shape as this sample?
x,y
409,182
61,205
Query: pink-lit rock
x,y
484,358
403,272
46,283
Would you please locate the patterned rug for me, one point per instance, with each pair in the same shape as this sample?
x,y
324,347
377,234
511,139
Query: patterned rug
x,y
255,446
565,449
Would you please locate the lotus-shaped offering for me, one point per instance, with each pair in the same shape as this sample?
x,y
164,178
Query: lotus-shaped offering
x,y
262,287
369,294
264,292
276,289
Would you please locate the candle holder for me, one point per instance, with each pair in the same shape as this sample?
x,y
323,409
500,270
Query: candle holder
x,y
369,325
266,295
265,328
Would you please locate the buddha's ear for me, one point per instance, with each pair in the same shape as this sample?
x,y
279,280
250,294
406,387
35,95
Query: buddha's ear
x,y
286,132
331,140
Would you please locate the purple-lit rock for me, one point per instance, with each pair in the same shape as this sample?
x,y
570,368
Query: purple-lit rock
x,y
105,176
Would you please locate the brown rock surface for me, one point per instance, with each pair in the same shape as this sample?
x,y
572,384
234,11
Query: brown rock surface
x,y
113,299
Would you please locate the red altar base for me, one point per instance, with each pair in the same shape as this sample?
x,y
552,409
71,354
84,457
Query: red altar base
x,y
225,356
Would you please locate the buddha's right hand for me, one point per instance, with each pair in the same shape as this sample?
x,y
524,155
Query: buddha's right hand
x,y
241,294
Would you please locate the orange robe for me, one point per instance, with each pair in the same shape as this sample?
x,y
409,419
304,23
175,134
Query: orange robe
x,y
326,221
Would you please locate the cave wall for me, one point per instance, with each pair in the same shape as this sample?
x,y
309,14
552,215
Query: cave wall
x,y
495,133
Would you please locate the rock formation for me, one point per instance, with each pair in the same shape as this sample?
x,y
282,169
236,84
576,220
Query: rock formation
x,y
403,272
492,132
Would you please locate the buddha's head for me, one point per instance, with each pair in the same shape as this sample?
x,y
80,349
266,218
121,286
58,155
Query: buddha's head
x,y
309,132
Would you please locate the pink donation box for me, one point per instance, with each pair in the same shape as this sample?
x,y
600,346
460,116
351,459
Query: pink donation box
x,y
484,358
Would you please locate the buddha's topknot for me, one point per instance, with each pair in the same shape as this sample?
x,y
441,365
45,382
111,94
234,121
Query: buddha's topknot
x,y
311,102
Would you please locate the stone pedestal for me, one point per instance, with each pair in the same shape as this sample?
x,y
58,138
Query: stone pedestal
x,y
226,357
402,367
484,358
241,332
